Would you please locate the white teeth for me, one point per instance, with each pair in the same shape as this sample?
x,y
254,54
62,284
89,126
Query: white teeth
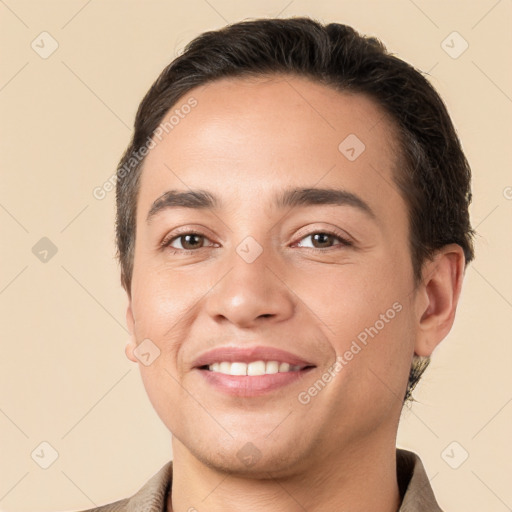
x,y
272,367
284,367
256,368
225,367
238,369
253,368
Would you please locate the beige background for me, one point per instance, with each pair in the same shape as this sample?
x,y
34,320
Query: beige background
x,y
65,119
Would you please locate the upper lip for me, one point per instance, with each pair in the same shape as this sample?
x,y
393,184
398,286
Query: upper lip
x,y
249,354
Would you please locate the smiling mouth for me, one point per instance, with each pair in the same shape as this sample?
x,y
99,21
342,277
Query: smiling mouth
x,y
250,371
253,368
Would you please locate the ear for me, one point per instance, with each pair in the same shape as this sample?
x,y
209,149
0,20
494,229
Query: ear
x,y
437,298
132,344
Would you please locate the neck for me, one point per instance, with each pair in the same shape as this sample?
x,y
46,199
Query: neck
x,y
360,478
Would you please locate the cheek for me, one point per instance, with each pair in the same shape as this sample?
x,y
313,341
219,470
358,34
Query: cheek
x,y
350,300
378,356
160,312
161,321
366,315
159,300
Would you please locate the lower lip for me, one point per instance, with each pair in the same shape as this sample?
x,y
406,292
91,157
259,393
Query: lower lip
x,y
254,385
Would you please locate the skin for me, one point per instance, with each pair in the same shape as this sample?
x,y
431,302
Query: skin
x,y
244,141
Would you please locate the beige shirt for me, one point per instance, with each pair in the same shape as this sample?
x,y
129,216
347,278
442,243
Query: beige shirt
x,y
414,485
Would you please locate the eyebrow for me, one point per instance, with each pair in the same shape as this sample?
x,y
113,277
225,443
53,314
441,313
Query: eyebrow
x,y
290,198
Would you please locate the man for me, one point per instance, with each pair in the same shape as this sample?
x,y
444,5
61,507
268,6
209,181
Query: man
x,y
293,231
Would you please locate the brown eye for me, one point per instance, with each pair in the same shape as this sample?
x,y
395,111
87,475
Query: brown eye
x,y
324,239
188,241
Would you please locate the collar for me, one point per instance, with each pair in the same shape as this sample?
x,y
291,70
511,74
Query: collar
x,y
415,489
414,486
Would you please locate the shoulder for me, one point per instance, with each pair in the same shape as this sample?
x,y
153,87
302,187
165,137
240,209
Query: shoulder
x,y
151,497
116,506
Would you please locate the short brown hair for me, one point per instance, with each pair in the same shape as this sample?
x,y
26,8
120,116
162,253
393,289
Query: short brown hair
x,y
434,177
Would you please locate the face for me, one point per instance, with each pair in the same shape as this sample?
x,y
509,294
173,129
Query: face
x,y
283,323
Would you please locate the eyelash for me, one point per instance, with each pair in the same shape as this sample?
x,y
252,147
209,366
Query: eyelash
x,y
166,242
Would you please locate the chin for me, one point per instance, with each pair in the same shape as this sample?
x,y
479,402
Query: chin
x,y
258,459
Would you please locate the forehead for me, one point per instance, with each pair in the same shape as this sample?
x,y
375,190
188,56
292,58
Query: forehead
x,y
245,138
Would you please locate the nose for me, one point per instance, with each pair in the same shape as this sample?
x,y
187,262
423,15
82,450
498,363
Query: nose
x,y
251,292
